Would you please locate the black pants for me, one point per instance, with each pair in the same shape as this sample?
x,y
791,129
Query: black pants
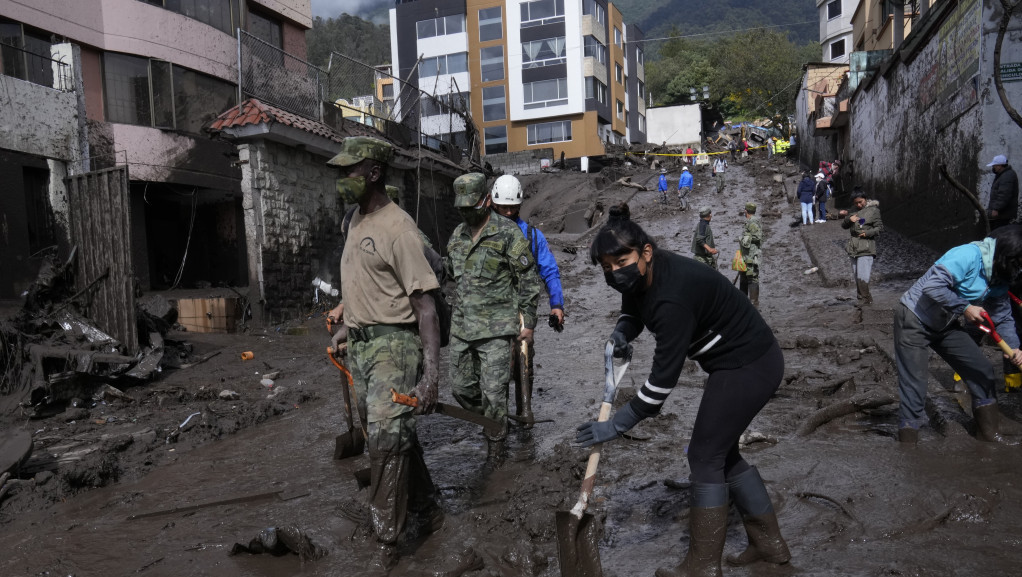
x,y
731,399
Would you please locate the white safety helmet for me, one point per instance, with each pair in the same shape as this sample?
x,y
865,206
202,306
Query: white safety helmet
x,y
507,191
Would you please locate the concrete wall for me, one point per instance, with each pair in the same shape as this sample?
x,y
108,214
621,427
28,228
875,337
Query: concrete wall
x,y
917,115
674,125
523,162
53,130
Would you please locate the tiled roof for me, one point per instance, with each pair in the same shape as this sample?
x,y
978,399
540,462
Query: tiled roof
x,y
253,111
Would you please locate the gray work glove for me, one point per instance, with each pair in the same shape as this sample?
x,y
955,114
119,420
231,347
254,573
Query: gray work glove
x,y
595,432
622,349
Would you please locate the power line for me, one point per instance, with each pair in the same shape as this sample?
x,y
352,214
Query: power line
x,y
721,32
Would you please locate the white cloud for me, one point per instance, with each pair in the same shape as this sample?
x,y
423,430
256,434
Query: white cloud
x,y
334,8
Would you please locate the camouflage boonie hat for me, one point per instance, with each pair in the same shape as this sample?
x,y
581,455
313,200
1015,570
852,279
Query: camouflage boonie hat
x,y
469,190
750,207
705,211
355,149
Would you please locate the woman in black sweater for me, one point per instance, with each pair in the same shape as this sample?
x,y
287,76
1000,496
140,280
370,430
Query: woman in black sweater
x,y
694,312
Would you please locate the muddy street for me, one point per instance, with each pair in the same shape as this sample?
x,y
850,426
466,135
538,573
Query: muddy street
x,y
138,491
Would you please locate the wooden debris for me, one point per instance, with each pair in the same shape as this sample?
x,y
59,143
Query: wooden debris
x,y
842,408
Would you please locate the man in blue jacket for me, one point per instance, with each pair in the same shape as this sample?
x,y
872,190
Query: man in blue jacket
x,y
507,202
662,186
684,187
965,283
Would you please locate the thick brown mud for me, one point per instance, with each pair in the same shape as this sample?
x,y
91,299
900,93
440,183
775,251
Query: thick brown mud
x,y
849,498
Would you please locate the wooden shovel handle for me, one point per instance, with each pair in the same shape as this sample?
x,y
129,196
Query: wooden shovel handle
x,y
589,481
403,399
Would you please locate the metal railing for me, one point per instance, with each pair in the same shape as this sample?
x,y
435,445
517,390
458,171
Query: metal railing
x,y
275,77
36,68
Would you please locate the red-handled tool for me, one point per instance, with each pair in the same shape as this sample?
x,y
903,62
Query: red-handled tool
x,y
987,326
347,444
1014,299
489,425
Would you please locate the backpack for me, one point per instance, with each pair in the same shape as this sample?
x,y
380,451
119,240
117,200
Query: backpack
x,y
443,308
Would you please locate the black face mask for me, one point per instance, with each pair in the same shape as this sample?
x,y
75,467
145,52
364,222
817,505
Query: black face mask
x,y
626,280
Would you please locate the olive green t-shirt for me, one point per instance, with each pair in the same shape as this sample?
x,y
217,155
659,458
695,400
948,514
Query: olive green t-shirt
x,y
382,264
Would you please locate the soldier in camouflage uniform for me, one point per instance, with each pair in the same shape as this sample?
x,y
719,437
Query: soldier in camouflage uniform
x,y
392,335
496,291
751,240
702,240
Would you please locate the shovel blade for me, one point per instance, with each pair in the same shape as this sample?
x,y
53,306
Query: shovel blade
x,y
348,445
578,545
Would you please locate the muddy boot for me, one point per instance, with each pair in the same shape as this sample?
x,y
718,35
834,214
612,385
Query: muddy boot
x,y
383,559
707,529
862,292
743,283
988,420
908,435
754,293
753,502
464,562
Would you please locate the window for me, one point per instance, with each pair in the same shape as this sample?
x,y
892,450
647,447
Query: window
x,y
32,62
641,90
443,103
593,49
491,63
493,103
617,36
490,25
619,74
545,93
547,52
596,89
541,12
833,9
550,132
837,49
620,110
495,138
642,123
388,91
266,29
217,13
440,26
159,94
640,57
444,64
592,8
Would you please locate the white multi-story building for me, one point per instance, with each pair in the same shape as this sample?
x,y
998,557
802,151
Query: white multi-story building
x,y
836,28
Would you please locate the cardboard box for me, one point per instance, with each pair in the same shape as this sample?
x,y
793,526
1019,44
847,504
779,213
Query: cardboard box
x,y
209,315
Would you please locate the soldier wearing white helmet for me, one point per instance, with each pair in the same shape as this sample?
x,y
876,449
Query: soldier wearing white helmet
x,y
507,201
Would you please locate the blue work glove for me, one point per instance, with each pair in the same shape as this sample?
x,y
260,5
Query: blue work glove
x,y
621,347
595,432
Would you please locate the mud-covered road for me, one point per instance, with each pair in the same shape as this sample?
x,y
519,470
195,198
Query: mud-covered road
x,y
850,500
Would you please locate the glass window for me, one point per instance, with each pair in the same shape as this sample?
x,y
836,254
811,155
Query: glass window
x,y
639,56
454,24
495,138
266,29
592,8
446,64
553,92
541,12
216,13
641,90
549,132
457,63
837,49
491,63
546,52
493,103
642,123
596,89
163,94
198,99
620,110
490,25
32,62
617,36
618,74
425,28
833,9
594,49
126,89
388,92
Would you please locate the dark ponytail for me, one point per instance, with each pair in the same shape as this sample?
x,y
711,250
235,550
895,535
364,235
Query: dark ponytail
x,y
619,236
1007,253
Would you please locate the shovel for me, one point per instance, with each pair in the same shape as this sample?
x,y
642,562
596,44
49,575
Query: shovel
x,y
489,425
578,532
348,444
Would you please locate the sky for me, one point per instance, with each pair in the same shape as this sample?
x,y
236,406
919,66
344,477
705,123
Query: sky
x,y
334,8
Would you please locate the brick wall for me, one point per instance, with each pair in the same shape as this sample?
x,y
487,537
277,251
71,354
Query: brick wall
x,y
522,162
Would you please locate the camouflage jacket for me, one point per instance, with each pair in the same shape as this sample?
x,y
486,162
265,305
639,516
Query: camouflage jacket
x,y
703,235
751,240
495,280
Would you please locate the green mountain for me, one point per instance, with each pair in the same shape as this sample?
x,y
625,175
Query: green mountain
x,y
657,18
348,35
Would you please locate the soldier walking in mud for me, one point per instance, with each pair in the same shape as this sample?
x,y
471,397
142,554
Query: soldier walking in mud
x,y
970,282
685,182
507,202
702,240
496,290
719,167
694,312
751,242
393,342
865,226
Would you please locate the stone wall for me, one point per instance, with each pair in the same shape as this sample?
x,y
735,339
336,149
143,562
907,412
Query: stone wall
x,y
522,162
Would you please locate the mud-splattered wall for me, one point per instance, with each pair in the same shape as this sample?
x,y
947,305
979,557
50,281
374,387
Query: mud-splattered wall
x,y
924,111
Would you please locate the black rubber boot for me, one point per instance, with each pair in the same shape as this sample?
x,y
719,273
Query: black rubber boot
x,y
707,530
743,283
754,293
988,423
753,502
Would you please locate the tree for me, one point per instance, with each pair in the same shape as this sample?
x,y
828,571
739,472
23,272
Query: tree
x,y
759,71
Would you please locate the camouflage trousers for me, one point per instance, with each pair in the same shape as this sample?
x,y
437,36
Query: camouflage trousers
x,y
480,373
709,260
400,481
751,275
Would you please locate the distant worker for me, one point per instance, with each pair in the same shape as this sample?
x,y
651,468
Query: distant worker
x,y
821,193
662,186
1003,204
968,282
496,289
770,147
751,242
684,187
702,241
865,226
507,202
732,148
806,196
719,167
690,156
